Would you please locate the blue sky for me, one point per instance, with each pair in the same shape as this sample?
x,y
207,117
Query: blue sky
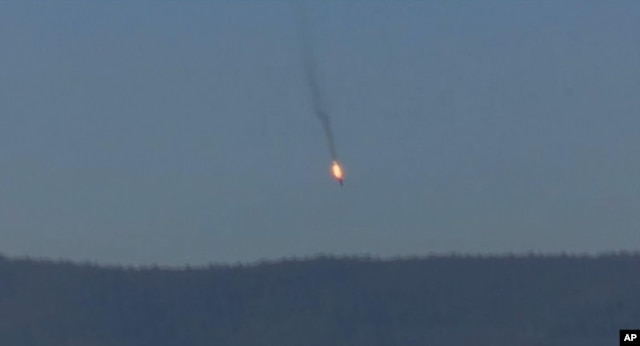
x,y
183,132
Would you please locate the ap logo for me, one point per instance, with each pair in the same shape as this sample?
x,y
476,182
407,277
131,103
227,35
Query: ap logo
x,y
629,337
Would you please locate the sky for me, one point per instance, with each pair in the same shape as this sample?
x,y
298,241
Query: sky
x,y
183,132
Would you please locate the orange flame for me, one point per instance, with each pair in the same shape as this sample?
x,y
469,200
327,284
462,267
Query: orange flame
x,y
336,170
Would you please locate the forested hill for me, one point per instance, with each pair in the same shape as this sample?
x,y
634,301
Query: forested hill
x,y
324,302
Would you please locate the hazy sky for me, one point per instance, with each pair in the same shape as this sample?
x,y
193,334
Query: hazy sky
x,y
183,132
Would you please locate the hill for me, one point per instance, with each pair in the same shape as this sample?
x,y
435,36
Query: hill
x,y
439,300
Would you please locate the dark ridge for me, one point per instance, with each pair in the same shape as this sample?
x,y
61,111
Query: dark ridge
x,y
494,300
327,257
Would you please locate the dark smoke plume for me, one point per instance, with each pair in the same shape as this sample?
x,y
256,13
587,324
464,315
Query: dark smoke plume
x,y
311,75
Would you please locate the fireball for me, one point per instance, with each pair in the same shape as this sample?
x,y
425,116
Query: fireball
x,y
336,171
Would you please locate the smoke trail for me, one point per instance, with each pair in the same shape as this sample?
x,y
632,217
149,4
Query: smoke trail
x,y
311,72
